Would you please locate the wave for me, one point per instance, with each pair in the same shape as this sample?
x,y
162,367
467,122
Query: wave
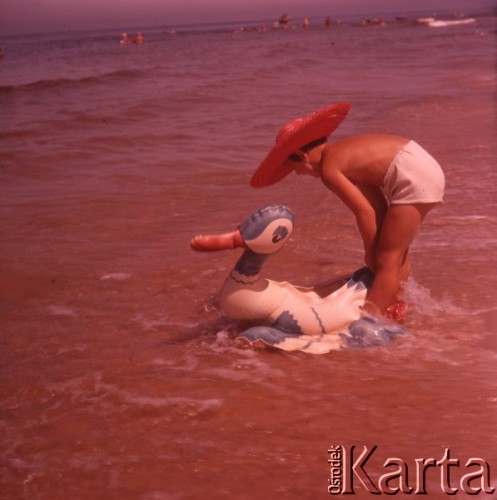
x,y
49,84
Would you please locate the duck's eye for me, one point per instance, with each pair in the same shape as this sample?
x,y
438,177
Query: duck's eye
x,y
279,234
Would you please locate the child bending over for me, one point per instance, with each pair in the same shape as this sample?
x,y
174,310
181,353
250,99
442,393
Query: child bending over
x,y
390,183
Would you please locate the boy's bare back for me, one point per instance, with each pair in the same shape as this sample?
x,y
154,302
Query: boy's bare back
x,y
363,159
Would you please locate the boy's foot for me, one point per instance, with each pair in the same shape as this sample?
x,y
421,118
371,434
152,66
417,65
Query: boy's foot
x,y
397,311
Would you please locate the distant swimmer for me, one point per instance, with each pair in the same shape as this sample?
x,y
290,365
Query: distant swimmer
x,y
284,21
137,40
125,40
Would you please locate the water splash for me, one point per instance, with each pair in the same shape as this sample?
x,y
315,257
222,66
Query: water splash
x,y
422,304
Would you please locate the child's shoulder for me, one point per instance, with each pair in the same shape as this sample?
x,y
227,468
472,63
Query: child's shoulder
x,y
363,149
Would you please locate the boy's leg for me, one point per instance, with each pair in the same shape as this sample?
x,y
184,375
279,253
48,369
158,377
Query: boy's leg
x,y
406,267
400,225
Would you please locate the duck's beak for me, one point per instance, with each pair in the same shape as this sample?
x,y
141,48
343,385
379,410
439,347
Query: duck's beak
x,y
214,242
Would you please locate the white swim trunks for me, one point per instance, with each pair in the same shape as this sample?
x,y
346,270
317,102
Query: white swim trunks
x,y
414,176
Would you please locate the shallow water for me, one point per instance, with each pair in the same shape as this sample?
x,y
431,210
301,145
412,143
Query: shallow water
x,y
120,377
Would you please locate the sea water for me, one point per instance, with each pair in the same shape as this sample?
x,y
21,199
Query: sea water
x,y
119,374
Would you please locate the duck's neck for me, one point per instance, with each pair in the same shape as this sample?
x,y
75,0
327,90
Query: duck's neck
x,y
250,263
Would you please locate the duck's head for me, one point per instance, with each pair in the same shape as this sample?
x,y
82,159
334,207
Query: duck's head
x,y
268,229
263,233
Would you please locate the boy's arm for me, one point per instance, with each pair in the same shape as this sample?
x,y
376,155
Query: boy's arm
x,y
361,207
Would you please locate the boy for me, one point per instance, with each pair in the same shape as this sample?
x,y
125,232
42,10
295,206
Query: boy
x,y
390,183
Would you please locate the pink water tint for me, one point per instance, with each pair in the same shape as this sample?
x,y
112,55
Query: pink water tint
x,y
119,374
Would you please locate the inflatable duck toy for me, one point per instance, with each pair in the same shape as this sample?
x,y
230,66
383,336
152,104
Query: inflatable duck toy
x,y
314,319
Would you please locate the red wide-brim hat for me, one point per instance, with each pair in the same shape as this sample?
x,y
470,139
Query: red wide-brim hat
x,y
293,136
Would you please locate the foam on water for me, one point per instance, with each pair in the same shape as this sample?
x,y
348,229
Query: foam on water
x,y
422,304
116,276
61,311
